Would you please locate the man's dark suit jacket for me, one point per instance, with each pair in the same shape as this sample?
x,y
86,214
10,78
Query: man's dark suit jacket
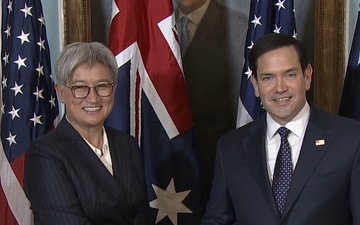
x,y
325,187
212,68
67,183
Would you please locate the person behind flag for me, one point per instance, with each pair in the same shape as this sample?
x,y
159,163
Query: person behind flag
x,y
350,101
322,187
152,105
212,67
83,172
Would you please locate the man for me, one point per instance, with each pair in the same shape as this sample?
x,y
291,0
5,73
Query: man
x,y
322,186
212,66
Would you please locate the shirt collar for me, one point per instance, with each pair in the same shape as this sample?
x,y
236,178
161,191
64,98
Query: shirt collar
x,y
105,146
297,125
195,16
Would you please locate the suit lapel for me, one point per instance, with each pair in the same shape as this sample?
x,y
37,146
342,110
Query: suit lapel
x,y
120,174
209,23
84,155
255,154
310,155
120,162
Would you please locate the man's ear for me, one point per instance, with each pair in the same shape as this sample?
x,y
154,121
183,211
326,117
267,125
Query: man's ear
x,y
307,75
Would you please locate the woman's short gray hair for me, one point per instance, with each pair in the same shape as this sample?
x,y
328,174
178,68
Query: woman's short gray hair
x,y
79,53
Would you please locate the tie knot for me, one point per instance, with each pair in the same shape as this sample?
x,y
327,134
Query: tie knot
x,y
283,131
184,21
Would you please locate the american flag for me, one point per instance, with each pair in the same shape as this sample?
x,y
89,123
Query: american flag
x,y
350,99
266,16
29,104
152,105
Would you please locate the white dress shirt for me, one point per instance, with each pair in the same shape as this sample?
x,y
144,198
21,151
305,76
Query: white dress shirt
x,y
297,126
194,17
104,153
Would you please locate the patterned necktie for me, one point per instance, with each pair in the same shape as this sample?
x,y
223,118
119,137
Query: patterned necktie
x,y
283,170
184,35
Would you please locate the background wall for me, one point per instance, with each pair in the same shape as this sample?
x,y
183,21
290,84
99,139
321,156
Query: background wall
x,y
304,18
102,8
304,12
51,14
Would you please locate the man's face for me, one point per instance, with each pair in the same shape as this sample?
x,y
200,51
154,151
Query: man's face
x,y
281,83
188,6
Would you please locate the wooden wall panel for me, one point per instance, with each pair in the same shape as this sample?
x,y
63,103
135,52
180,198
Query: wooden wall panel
x,y
77,21
329,44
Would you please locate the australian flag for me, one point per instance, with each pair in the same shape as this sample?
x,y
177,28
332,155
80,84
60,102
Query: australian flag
x,y
29,104
151,104
350,99
266,16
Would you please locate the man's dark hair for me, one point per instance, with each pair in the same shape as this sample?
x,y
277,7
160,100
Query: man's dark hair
x,y
274,41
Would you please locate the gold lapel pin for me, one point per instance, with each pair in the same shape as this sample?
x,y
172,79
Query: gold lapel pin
x,y
320,142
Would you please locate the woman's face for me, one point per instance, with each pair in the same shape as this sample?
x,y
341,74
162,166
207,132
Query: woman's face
x,y
92,110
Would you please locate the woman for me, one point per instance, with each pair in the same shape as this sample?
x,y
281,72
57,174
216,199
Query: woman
x,y
83,172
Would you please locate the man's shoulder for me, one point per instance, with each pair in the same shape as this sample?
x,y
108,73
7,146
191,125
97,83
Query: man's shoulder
x,y
245,130
335,122
344,122
225,11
